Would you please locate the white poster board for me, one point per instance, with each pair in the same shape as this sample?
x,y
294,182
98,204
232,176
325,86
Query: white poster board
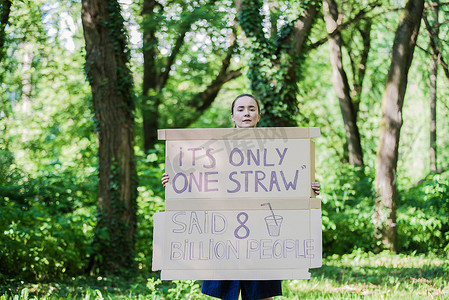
x,y
239,205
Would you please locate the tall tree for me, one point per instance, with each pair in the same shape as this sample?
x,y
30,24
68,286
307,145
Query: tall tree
x,y
275,60
107,69
157,67
151,81
5,9
434,33
341,84
391,123
435,47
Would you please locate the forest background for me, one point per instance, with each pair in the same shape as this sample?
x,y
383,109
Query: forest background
x,y
86,84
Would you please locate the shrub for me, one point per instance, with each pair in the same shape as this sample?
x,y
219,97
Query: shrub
x,y
423,216
150,200
46,223
348,208
39,246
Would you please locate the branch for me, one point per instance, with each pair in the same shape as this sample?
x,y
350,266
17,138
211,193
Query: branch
x,y
434,4
360,15
179,42
185,27
359,68
232,46
300,29
203,100
430,174
210,93
433,45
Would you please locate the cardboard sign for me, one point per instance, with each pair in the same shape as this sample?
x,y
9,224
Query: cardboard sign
x,y
239,201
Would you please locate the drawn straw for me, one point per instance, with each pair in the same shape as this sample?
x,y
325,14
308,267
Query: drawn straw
x,y
272,212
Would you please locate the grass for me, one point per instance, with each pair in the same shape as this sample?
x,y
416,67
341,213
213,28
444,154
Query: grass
x,y
370,276
353,276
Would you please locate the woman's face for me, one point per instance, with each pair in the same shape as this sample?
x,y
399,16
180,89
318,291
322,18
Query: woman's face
x,y
245,113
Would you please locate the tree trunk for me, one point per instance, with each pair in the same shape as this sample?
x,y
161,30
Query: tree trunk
x,y
5,6
341,85
296,41
435,49
433,92
151,87
107,69
391,123
359,68
433,114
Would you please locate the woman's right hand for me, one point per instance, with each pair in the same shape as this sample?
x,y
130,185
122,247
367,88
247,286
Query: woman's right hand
x,y
165,179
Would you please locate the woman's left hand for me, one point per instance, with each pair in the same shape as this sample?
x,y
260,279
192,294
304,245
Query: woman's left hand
x,y
316,187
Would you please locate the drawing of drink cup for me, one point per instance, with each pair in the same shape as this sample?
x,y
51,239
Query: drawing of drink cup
x,y
274,223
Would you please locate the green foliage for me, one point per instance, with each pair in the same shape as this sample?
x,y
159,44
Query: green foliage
x,y
45,226
48,153
47,162
207,26
46,223
42,246
177,289
150,201
348,209
423,216
275,63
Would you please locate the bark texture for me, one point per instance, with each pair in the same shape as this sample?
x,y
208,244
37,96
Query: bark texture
x,y
433,31
391,123
341,85
433,110
151,82
359,62
113,102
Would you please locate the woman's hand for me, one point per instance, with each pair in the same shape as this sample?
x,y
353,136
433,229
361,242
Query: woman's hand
x,y
316,187
165,179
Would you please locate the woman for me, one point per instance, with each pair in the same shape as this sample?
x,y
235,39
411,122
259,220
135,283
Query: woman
x,y
245,113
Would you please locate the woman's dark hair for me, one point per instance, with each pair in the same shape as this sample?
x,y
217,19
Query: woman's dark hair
x,y
245,95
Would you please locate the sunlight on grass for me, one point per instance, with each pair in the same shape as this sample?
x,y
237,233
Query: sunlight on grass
x,y
352,276
369,276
